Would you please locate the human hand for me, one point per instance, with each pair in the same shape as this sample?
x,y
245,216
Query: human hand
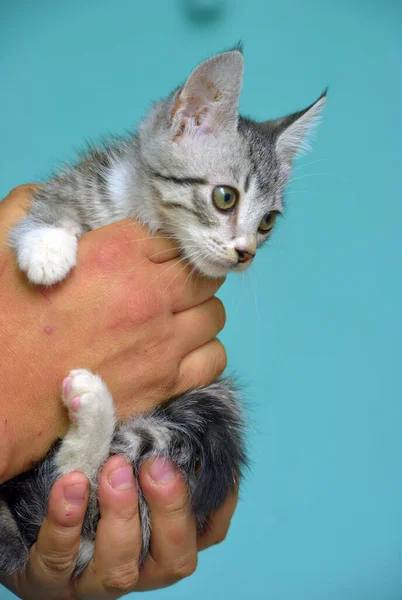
x,y
114,571
129,312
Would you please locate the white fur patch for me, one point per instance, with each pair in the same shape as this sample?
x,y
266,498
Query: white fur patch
x,y
46,254
117,183
87,443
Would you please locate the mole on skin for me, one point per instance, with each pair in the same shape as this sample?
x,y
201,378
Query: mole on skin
x,y
48,330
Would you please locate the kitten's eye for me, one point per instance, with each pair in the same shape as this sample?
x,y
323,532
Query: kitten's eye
x,y
267,222
224,197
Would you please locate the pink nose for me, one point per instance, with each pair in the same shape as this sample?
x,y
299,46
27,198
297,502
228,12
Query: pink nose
x,y
244,255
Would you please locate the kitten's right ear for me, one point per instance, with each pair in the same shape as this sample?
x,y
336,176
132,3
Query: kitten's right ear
x,y
209,99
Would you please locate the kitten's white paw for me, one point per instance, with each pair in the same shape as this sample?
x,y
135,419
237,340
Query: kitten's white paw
x,y
86,445
47,254
87,398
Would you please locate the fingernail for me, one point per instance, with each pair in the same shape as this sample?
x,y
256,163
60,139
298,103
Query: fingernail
x,y
162,471
76,493
122,478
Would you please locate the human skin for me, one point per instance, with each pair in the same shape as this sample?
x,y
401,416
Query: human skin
x,y
160,329
127,312
114,570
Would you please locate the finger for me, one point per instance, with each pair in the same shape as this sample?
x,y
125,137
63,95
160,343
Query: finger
x,y
20,195
204,322
173,553
218,523
187,288
52,557
202,366
160,248
15,206
113,571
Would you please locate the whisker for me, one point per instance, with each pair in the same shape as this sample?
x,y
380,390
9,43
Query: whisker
x,y
185,258
177,274
189,275
239,298
290,191
163,251
313,162
151,237
315,174
158,237
138,264
253,294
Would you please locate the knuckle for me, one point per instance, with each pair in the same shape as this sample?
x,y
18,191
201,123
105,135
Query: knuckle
x,y
122,579
220,313
220,357
220,538
178,508
102,259
165,367
185,569
170,380
147,306
57,562
175,279
165,380
127,513
20,189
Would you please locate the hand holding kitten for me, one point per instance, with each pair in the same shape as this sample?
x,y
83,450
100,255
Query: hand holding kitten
x,y
102,316
174,541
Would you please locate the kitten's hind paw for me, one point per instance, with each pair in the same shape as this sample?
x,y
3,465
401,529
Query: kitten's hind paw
x,y
86,445
46,254
87,398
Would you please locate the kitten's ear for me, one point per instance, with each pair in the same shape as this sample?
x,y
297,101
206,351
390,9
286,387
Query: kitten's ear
x,y
292,132
209,98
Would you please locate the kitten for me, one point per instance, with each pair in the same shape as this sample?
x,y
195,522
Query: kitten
x,y
213,181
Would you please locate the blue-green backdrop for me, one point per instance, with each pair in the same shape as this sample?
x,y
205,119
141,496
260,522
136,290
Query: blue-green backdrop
x,y
316,333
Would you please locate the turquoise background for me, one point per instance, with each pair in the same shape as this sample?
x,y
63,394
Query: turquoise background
x,y
321,512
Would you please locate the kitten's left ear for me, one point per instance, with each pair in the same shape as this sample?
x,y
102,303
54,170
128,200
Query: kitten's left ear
x,y
291,133
209,98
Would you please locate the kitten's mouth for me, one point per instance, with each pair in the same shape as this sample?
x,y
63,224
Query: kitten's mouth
x,y
228,265
211,266
220,268
241,266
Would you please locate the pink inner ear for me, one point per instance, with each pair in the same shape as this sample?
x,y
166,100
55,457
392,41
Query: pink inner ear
x,y
197,113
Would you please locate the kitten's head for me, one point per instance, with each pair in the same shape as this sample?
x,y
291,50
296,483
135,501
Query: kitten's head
x,y
219,178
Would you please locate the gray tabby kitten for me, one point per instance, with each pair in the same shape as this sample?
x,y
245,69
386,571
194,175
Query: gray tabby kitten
x,y
213,181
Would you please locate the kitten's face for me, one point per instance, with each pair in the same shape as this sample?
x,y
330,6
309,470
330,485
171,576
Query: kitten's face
x,y
219,178
220,220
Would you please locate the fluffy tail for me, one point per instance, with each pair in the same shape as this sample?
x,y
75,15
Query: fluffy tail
x,y
202,431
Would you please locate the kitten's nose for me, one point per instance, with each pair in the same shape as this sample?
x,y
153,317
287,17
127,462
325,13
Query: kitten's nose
x,y
244,255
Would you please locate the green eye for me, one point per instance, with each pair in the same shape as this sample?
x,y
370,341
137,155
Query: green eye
x,y
267,222
224,197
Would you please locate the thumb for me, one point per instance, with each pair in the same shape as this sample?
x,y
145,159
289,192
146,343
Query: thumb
x,y
53,555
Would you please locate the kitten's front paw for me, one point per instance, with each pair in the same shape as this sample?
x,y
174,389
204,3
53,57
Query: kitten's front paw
x,y
47,254
86,397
